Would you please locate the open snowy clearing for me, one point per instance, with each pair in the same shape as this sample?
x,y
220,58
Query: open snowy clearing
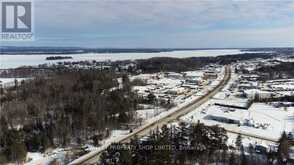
x,y
260,119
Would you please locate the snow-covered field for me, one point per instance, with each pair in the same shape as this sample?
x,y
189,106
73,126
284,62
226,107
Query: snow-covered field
x,y
280,119
8,82
276,120
149,113
37,158
12,61
58,154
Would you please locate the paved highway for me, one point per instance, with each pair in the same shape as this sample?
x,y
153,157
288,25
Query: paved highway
x,y
93,157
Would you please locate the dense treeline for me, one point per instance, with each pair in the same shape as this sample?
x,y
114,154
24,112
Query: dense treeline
x,y
278,71
183,64
191,144
151,65
58,57
69,107
276,99
170,145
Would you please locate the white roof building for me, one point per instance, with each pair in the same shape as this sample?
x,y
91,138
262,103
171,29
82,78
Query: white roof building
x,y
256,93
225,114
233,103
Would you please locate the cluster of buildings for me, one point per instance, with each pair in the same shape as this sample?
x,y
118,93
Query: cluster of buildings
x,y
118,66
174,88
250,104
258,86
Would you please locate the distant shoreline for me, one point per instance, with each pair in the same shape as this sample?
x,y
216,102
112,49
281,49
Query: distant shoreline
x,y
73,51
14,61
51,58
10,50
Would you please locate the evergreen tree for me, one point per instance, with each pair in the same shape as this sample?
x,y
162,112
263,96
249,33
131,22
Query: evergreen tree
x,y
238,142
283,149
171,146
271,157
3,132
134,151
151,98
197,141
126,83
156,150
15,149
163,148
224,156
243,160
17,152
251,152
3,159
232,159
1,91
182,145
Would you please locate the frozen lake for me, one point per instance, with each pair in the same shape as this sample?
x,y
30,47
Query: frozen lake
x,y
13,61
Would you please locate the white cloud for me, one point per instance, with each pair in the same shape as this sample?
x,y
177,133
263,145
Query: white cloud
x,y
167,23
162,11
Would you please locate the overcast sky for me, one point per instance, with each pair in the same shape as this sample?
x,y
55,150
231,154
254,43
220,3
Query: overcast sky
x,y
163,23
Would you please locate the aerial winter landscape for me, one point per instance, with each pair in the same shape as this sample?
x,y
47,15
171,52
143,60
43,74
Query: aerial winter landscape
x,y
162,82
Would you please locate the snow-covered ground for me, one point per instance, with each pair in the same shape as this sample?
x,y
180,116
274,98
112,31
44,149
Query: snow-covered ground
x,y
186,101
260,119
115,134
173,86
58,154
151,112
247,141
34,156
10,81
147,122
280,119
276,120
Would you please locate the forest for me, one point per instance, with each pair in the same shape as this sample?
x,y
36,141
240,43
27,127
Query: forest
x,y
158,64
61,107
58,57
278,71
192,144
152,65
67,107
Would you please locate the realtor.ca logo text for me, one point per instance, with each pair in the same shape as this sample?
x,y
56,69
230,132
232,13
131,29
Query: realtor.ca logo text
x,y
16,20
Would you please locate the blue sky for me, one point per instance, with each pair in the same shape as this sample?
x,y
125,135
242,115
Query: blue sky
x,y
163,23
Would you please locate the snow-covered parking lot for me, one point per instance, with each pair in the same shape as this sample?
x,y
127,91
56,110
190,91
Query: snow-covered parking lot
x,y
260,119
